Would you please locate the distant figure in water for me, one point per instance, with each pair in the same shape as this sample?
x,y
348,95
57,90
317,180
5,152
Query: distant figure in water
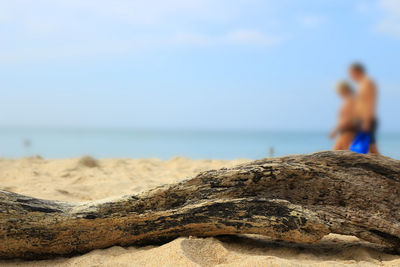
x,y
345,129
365,118
271,152
27,143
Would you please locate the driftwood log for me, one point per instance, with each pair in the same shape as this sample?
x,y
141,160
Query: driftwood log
x,y
295,198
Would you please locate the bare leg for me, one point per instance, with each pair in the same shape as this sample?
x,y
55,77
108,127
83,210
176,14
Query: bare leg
x,y
338,143
344,141
373,149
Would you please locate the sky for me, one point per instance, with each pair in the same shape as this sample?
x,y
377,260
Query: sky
x,y
193,64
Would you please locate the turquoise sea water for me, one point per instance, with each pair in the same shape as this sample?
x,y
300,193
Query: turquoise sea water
x,y
117,143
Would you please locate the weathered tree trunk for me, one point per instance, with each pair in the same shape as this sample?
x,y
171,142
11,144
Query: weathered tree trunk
x,y
295,198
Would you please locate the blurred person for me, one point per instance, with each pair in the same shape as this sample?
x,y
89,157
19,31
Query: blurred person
x,y
345,128
365,104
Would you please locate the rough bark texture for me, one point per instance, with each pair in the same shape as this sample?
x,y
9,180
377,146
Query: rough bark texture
x,y
295,198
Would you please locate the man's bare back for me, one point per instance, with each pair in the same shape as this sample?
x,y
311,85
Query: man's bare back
x,y
365,110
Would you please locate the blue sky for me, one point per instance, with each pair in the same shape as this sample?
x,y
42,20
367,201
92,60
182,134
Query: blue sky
x,y
192,64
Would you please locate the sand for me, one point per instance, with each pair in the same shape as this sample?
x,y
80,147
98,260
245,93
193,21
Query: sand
x,y
87,179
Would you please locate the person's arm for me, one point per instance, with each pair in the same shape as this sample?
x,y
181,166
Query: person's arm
x,y
336,130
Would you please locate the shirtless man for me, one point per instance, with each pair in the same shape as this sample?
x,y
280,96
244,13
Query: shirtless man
x,y
344,130
365,103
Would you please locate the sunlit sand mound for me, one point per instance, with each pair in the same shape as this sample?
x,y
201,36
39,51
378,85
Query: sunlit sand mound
x,y
333,250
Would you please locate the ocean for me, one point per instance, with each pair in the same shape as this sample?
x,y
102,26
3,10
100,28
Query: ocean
x,y
53,143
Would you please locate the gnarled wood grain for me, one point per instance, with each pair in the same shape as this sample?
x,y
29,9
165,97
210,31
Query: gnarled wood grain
x,y
295,198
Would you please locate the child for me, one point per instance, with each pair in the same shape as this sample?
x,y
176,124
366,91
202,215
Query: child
x,y
345,130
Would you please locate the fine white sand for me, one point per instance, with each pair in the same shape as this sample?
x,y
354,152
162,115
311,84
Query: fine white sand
x,y
74,180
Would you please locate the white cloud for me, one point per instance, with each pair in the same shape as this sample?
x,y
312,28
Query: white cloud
x,y
311,21
136,45
191,39
390,24
233,37
64,14
46,29
251,37
54,29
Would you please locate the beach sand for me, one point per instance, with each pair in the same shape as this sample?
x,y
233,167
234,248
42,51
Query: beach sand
x,y
86,179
